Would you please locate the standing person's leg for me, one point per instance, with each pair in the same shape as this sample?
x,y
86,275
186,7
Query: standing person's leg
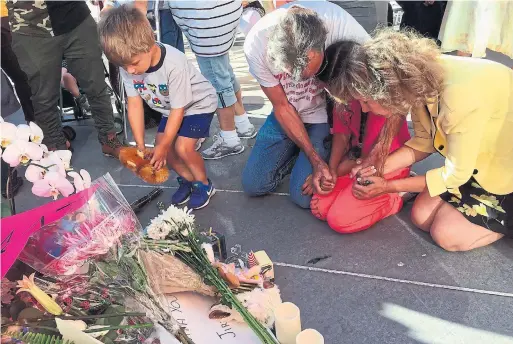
x,y
84,58
170,32
13,70
271,159
244,128
320,137
40,58
217,70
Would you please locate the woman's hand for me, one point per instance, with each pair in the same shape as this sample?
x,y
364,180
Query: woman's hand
x,y
378,186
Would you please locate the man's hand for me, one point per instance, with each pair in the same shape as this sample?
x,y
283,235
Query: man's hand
x,y
307,188
159,156
322,179
377,186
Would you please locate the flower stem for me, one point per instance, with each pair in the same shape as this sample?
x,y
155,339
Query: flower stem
x,y
120,327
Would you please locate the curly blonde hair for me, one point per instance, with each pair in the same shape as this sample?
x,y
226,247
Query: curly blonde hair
x,y
397,69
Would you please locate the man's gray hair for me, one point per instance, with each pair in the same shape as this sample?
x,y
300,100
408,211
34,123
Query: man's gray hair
x,y
300,31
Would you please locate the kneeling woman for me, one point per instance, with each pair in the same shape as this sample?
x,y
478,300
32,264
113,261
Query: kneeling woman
x,y
354,133
461,108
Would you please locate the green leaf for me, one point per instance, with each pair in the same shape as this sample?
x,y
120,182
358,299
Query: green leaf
x,y
37,338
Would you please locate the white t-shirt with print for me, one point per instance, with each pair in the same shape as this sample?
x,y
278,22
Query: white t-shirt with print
x,y
174,83
307,96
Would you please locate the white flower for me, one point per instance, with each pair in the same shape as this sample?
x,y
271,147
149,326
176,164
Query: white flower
x,y
23,132
65,156
178,216
52,164
22,152
158,229
82,181
7,134
53,184
46,152
36,134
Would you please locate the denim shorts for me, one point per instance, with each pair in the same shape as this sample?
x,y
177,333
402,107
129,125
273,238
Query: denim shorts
x,y
193,126
219,72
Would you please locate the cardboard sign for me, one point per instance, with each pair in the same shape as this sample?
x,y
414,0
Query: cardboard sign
x,y
191,311
17,229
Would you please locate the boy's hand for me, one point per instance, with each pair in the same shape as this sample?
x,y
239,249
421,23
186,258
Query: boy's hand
x,y
159,157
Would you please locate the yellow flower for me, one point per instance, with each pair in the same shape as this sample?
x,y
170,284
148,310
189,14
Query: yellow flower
x,y
454,200
27,284
480,209
468,210
476,185
490,201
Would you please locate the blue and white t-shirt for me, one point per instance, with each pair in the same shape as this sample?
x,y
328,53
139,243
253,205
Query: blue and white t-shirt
x,y
174,83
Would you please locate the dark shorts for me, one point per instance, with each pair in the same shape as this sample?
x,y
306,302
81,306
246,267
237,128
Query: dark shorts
x,y
194,126
494,212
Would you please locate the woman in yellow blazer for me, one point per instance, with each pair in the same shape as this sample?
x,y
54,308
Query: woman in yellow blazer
x,y
461,108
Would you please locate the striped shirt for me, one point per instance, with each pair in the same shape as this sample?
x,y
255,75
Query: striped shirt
x,y
210,26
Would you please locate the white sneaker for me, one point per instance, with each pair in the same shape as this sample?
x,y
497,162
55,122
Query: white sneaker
x,y
199,143
220,149
248,134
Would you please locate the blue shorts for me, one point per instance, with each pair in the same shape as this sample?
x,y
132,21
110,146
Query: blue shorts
x,y
193,126
219,72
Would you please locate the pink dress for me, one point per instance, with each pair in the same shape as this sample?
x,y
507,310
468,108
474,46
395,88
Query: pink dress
x,y
343,212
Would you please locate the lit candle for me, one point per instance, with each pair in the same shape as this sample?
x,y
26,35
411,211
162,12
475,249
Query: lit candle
x,y
288,322
309,336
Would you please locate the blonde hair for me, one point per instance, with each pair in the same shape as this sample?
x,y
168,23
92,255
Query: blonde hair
x,y
124,33
397,69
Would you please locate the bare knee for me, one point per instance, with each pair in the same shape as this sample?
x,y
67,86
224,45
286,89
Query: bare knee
x,y
441,235
419,217
184,151
424,210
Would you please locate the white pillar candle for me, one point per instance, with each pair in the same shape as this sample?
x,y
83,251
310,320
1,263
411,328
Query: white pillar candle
x,y
287,322
309,336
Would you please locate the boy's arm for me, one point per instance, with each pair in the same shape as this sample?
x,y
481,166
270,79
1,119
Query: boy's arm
x,y
136,120
174,121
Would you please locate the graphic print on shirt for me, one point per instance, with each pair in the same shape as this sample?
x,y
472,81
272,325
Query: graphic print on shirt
x,y
153,88
304,89
139,85
163,90
146,96
157,102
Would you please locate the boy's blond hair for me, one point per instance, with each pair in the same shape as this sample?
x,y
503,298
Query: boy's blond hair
x,y
124,33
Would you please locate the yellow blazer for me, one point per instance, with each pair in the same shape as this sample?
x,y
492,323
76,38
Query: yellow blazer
x,y
471,126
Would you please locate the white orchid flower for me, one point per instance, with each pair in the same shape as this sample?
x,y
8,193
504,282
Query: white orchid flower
x,y
53,184
82,181
38,169
21,152
7,134
46,152
65,156
36,134
23,132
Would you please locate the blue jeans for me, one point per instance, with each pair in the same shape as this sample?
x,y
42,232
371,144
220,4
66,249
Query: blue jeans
x,y
219,71
170,32
275,155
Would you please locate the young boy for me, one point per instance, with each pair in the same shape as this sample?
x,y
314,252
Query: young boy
x,y
161,76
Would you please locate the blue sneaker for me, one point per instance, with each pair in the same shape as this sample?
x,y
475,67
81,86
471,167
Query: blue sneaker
x,y
182,195
201,195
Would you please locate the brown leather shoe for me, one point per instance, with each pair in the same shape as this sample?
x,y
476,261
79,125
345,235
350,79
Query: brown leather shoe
x,y
111,145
